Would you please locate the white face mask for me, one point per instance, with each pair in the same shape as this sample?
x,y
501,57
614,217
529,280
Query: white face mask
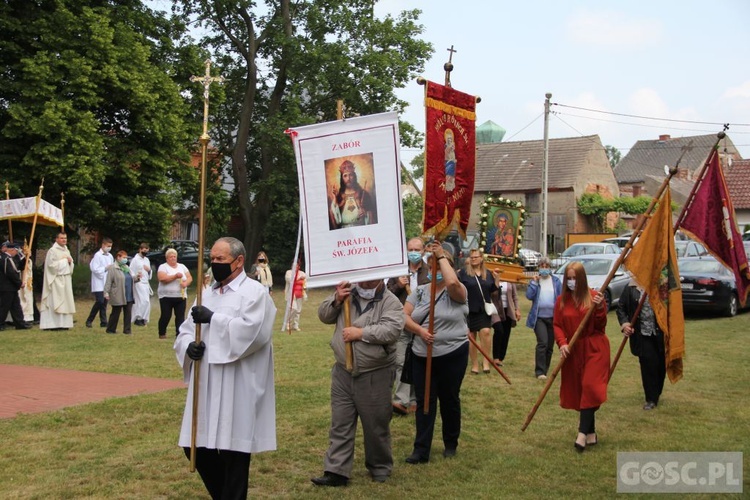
x,y
571,284
366,293
106,249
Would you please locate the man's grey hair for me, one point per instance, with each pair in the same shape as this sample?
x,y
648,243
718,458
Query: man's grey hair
x,y
236,248
544,261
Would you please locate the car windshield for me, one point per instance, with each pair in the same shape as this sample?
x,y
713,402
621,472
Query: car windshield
x,y
700,267
582,250
595,266
680,247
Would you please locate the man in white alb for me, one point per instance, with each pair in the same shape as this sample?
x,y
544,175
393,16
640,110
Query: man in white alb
x,y
57,306
140,269
236,399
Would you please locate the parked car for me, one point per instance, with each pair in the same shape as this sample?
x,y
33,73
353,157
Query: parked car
x,y
577,249
689,248
529,258
460,247
187,254
708,285
620,241
597,268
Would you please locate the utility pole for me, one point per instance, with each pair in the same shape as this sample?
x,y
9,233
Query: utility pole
x,y
545,171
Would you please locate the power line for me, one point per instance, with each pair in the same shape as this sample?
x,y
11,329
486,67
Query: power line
x,y
643,124
648,117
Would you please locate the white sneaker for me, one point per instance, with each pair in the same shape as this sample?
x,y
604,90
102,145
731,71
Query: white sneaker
x,y
542,377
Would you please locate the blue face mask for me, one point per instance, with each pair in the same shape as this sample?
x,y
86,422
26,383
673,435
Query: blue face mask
x,y
438,276
414,257
545,272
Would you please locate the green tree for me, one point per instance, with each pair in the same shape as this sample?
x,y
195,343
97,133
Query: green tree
x,y
89,103
413,206
613,154
286,64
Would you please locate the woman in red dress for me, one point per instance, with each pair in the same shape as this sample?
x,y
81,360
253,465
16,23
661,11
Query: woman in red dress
x,y
586,371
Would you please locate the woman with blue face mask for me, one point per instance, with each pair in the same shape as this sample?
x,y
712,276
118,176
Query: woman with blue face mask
x,y
450,353
543,291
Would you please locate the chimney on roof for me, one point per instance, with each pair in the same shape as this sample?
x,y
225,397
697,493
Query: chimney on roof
x,y
664,137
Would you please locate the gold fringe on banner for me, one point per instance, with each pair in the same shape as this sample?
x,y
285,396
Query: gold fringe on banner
x,y
429,102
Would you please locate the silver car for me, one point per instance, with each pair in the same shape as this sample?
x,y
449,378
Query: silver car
x,y
577,249
597,269
529,258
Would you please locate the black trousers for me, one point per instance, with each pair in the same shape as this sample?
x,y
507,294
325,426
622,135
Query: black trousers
x,y
653,366
445,386
167,305
224,472
500,338
587,420
100,306
114,318
11,302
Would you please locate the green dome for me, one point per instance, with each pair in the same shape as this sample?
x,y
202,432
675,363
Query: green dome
x,y
490,133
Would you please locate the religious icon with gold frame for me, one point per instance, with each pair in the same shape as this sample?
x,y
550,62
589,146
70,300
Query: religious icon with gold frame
x,y
501,227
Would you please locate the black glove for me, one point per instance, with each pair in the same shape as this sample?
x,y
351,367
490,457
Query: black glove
x,y
195,350
202,314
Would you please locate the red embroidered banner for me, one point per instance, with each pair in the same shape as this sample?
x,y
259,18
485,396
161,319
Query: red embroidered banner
x,y
449,160
710,219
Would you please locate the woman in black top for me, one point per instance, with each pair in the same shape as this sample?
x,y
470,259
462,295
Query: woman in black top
x,y
479,283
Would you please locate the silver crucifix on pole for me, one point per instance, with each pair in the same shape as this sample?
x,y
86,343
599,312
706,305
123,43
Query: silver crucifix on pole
x,y
206,81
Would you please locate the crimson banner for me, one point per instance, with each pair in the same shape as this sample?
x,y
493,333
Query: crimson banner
x,y
710,219
449,159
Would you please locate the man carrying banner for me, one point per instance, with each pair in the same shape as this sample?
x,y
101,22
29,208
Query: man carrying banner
x,y
377,319
10,284
351,205
653,265
646,342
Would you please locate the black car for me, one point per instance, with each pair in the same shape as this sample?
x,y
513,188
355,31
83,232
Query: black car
x,y
187,254
707,285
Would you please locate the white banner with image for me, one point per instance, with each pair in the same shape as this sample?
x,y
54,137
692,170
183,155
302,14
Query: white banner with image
x,y
350,199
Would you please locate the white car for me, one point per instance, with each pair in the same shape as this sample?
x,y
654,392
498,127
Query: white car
x,y
529,258
577,249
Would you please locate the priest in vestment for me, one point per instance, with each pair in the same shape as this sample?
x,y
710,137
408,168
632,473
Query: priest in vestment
x,y
236,398
58,306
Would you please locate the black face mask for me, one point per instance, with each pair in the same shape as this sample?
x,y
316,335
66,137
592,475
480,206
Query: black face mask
x,y
221,270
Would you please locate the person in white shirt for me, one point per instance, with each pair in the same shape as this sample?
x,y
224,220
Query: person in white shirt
x,y
174,279
236,398
98,265
140,268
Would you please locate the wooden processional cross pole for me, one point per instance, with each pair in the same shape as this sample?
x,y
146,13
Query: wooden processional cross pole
x,y
206,81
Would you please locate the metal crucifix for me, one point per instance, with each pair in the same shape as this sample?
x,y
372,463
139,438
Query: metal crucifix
x,y
206,81
448,67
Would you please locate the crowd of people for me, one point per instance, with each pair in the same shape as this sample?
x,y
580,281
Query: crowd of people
x,y
380,351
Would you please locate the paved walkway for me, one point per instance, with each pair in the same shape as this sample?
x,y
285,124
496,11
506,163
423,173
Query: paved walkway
x,y
31,389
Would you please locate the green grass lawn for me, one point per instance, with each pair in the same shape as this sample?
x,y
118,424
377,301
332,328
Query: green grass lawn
x,y
126,447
